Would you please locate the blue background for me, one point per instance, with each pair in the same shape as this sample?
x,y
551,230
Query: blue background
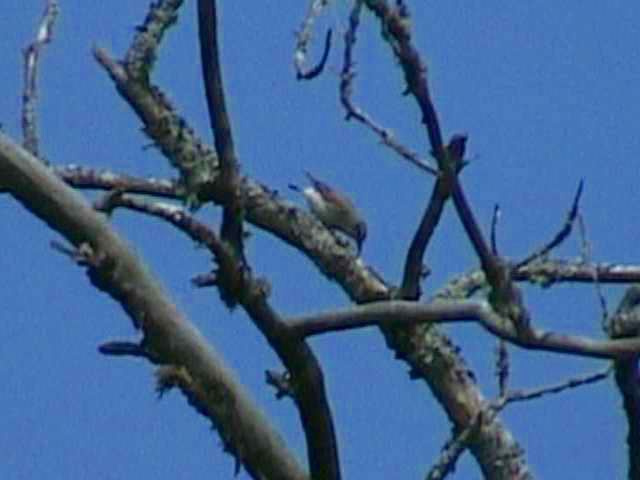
x,y
549,94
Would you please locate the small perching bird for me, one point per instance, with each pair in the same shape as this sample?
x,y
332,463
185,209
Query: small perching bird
x,y
334,210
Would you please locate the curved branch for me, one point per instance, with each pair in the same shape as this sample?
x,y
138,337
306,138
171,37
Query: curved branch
x,y
399,313
303,38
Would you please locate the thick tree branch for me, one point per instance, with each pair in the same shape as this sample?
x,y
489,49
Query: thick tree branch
x,y
430,354
167,333
268,211
196,161
306,374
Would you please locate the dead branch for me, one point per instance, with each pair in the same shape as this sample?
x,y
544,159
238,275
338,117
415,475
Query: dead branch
x,y
119,273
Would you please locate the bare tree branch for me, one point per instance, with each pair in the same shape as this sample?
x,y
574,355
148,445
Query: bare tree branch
x,y
626,324
118,272
266,210
452,451
559,237
142,54
30,92
317,70
196,162
303,39
535,393
233,205
89,178
398,313
295,353
413,266
457,445
430,354
354,112
396,31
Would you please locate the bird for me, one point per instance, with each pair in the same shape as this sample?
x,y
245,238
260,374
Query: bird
x,y
334,209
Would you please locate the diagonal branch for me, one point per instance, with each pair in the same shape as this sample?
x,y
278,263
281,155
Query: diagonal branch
x,y
196,161
354,112
559,237
119,273
396,31
306,373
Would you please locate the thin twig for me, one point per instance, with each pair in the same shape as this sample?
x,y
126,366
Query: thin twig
x,y
396,31
574,382
355,112
124,348
494,227
559,237
101,179
317,70
452,451
30,92
587,259
303,39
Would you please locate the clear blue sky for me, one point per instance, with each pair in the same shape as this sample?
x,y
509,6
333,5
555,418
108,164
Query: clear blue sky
x,y
548,94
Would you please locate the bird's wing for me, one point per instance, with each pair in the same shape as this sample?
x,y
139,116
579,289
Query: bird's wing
x,y
328,193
